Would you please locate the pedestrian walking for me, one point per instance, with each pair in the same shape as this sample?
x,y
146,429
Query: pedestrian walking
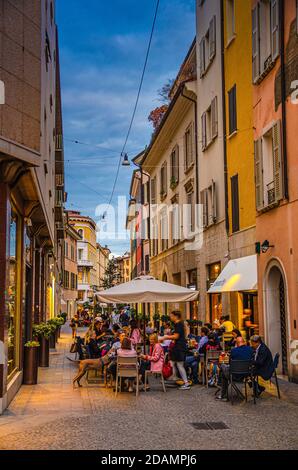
x,y
179,349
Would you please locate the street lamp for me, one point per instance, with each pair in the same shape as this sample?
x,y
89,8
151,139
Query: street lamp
x,y
125,161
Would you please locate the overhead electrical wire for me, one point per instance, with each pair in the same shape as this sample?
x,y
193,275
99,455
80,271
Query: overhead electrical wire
x,y
137,101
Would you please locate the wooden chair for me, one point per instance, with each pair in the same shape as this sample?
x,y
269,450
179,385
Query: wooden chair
x,y
127,367
149,372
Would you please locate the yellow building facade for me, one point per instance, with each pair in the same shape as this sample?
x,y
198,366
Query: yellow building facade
x,y
87,256
239,148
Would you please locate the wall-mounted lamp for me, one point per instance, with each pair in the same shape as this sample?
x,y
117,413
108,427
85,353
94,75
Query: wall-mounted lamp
x,y
265,246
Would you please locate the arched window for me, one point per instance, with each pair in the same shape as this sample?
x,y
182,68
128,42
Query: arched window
x,y
81,233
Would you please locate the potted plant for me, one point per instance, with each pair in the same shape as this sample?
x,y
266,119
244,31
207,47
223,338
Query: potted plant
x,y
31,353
42,333
57,322
64,316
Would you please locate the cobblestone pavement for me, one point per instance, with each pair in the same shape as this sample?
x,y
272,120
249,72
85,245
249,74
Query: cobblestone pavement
x,y
52,415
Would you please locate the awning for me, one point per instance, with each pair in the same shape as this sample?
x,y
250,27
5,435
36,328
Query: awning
x,y
146,289
238,275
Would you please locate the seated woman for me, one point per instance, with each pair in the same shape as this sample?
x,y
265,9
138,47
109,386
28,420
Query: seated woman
x,y
93,346
126,350
156,358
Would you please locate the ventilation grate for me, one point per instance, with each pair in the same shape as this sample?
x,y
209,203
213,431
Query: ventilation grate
x,y
210,426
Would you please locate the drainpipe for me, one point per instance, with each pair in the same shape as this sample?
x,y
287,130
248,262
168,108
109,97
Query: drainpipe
x,y
283,96
196,139
224,117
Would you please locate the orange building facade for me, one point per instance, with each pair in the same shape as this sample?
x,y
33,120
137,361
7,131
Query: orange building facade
x,y
275,122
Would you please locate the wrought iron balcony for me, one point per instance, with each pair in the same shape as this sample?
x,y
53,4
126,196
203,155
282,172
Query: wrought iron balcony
x,y
271,192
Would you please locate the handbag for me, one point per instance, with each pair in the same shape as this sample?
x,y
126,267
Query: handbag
x,y
167,370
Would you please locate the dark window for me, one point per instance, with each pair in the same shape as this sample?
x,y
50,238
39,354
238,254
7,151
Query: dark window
x,y
232,110
235,203
147,267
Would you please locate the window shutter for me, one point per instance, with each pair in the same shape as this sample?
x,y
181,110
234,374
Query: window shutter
x,y
214,118
193,143
255,44
204,202
212,38
277,161
259,175
202,57
165,186
177,162
235,203
153,191
204,136
232,110
274,29
214,203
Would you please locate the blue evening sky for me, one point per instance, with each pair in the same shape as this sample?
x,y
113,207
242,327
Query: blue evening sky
x,y
102,52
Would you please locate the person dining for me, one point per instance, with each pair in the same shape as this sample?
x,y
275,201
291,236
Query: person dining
x,y
97,363
155,359
126,350
203,340
241,352
226,324
236,334
262,362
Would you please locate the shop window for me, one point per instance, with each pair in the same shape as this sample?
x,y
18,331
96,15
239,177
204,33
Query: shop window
x,y
215,300
13,327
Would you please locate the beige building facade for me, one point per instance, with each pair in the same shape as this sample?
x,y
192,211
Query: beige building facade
x,y
171,161
213,254
87,257
70,273
31,144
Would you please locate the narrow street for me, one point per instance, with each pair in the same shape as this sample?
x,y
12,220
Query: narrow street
x,y
51,415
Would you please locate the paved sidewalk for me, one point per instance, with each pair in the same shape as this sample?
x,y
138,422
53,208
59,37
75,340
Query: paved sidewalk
x,y
53,415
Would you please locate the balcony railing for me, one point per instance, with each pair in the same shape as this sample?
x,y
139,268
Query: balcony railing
x,y
85,263
271,192
59,180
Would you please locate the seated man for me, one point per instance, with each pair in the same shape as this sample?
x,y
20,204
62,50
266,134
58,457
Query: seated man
x,y
241,352
203,340
262,362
